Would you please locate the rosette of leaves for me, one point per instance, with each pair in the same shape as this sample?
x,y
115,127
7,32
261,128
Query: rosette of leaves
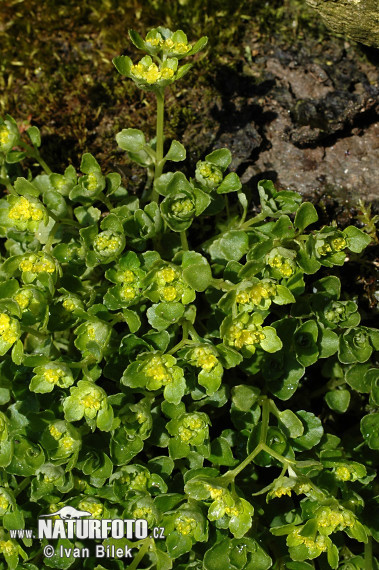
x,y
91,184
135,426
245,333
162,41
166,48
62,441
357,344
6,442
205,358
49,479
39,267
9,136
23,213
127,274
64,183
154,371
107,245
47,376
182,200
165,283
10,332
330,244
226,508
188,431
136,480
255,294
184,527
11,550
210,173
93,338
32,302
91,402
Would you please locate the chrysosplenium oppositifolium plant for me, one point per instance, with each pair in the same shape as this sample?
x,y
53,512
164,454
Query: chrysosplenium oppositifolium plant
x,y
170,358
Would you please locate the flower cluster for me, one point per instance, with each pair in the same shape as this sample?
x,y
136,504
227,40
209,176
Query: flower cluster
x,y
26,213
167,285
36,263
209,175
315,546
204,357
47,376
331,520
331,246
9,135
9,332
283,265
108,244
256,294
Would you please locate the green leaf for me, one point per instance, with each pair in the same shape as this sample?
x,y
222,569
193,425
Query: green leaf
x,y
221,157
123,64
231,183
313,431
131,140
370,430
338,400
25,188
34,135
89,164
162,315
176,152
198,276
199,45
137,40
291,423
357,240
305,216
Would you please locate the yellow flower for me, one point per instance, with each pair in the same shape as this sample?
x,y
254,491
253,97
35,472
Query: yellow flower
x,y
167,275
4,135
8,329
127,293
4,503
281,491
53,375
185,525
91,181
338,243
55,432
67,442
204,358
96,509
343,473
128,276
92,401
107,243
157,370
169,293
25,211
23,298
8,547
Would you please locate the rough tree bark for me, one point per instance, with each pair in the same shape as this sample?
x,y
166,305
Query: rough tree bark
x,y
355,19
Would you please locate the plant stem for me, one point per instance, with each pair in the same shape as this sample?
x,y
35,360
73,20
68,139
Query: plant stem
x,y
262,443
24,483
183,240
50,239
141,553
159,141
34,153
368,554
32,331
